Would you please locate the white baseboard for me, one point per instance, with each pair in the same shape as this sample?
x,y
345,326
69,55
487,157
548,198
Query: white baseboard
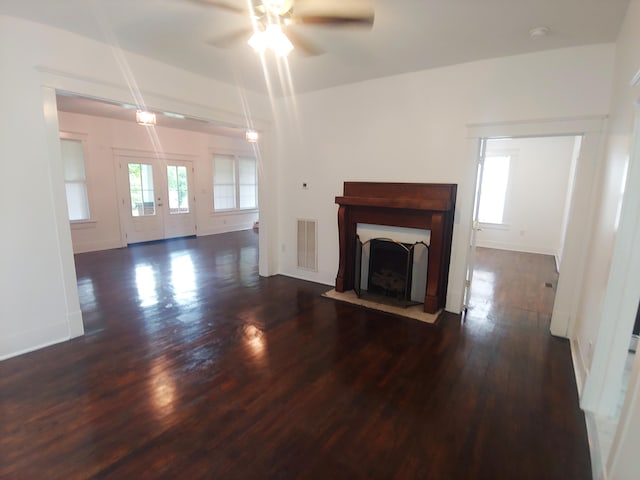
x,y
311,277
515,248
96,246
597,464
579,367
35,339
226,229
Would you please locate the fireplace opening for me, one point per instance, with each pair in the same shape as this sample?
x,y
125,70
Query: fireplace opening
x,y
389,270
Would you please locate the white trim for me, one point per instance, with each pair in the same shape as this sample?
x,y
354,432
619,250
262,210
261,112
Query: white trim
x,y
598,470
307,278
620,303
538,128
513,247
233,212
139,153
579,368
28,341
583,200
113,92
73,319
597,465
96,246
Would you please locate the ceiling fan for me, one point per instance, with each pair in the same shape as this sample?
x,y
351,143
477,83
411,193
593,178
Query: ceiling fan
x,y
273,22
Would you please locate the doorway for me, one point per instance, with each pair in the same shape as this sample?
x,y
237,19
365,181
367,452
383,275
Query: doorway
x,y
156,197
522,203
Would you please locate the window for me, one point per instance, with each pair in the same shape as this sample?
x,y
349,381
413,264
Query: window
x,y
235,183
141,190
495,178
178,189
75,179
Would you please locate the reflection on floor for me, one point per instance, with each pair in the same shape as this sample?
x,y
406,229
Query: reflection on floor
x,y
525,281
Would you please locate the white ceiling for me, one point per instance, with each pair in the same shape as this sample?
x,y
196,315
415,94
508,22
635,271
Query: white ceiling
x,y
407,35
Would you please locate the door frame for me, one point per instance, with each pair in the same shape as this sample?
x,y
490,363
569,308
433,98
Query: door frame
x,y
475,225
583,200
119,155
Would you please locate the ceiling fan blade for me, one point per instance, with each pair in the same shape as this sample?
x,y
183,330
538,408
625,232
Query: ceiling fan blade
x,y
232,38
333,12
303,45
221,5
333,20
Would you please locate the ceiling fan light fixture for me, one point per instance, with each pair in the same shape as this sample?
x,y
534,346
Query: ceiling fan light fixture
x,y
258,41
278,7
272,38
278,41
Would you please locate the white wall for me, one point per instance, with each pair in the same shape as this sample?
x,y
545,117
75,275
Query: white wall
x,y
611,293
103,135
38,292
534,211
412,128
590,314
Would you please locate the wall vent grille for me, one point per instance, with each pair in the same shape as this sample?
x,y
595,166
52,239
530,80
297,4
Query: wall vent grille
x,y
307,245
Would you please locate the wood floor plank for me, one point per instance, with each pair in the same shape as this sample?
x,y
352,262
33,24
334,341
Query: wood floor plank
x,y
193,366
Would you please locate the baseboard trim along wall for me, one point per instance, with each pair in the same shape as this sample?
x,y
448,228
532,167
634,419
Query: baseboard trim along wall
x,y
24,342
580,371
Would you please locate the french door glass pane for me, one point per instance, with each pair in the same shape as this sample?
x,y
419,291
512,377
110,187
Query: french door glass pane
x,y
141,190
178,189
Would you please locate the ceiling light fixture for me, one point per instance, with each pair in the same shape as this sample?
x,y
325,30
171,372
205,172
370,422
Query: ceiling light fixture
x,y
272,38
251,136
148,119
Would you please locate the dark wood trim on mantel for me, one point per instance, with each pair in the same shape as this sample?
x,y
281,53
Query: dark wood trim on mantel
x,y
428,206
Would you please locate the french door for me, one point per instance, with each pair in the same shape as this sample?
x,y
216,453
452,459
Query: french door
x,y
156,198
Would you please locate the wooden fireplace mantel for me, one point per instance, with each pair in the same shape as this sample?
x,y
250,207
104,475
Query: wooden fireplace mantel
x,y
427,206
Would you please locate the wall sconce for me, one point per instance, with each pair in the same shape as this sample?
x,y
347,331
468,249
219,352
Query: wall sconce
x,y
148,119
251,136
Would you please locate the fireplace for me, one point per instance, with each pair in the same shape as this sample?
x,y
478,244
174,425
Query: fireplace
x,y
425,206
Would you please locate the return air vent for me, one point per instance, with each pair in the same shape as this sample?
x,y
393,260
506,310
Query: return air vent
x,y
307,241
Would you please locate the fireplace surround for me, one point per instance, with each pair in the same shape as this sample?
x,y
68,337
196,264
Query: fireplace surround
x,y
428,206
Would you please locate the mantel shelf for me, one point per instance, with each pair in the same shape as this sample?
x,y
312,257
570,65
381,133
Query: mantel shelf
x,y
405,203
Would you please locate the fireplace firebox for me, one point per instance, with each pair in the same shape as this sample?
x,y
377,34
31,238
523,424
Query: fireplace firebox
x,y
389,270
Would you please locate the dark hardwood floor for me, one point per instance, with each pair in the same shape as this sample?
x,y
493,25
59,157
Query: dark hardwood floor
x,y
194,367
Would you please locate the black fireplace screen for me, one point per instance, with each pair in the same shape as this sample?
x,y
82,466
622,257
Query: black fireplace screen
x,y
390,270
